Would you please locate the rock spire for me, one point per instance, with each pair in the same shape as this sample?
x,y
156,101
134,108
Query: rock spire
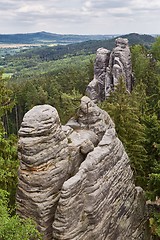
x,y
75,180
108,68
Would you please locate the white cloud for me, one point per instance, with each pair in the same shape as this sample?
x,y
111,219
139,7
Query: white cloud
x,y
88,4
142,4
80,16
120,11
27,8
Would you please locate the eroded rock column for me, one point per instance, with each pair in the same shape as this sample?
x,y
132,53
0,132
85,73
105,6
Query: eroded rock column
x,y
96,88
108,68
100,201
43,155
75,180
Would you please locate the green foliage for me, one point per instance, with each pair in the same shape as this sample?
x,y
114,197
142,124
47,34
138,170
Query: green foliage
x,y
69,105
8,150
8,165
146,68
50,88
155,224
146,71
6,103
152,146
54,67
124,110
156,49
12,227
154,183
152,143
140,63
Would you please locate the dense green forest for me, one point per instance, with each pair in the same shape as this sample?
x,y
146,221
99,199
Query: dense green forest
x,y
32,57
60,83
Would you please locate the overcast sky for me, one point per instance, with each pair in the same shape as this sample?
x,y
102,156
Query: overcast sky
x,y
80,16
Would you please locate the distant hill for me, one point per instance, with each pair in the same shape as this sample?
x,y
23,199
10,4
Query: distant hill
x,y
47,37
92,46
135,38
88,47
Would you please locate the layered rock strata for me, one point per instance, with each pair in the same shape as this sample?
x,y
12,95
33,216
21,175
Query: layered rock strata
x,y
108,68
49,154
96,88
75,180
43,155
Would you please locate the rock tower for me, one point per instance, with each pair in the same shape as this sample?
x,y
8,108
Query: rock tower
x,y
108,68
75,180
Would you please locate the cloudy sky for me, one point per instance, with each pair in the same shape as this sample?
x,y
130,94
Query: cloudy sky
x,y
80,16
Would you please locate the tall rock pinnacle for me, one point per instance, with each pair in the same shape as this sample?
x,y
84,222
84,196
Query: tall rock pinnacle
x,y
108,68
76,182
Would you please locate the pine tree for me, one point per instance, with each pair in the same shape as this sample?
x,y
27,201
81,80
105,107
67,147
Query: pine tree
x,y
69,105
156,49
6,102
123,107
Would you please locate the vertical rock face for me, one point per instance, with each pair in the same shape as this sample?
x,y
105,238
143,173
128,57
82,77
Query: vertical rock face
x,y
108,68
43,155
100,201
96,88
120,63
75,180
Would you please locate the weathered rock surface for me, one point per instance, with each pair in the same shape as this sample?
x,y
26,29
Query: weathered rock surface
x,y
108,68
43,155
91,117
77,182
101,201
96,88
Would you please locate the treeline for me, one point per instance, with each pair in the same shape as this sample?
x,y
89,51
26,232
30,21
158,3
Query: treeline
x,y
45,53
69,77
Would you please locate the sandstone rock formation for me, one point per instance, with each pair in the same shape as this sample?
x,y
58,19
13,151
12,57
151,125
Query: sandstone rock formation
x,y
44,163
75,180
96,88
108,68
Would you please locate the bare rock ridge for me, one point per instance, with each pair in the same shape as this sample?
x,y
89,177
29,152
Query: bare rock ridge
x,y
76,180
108,68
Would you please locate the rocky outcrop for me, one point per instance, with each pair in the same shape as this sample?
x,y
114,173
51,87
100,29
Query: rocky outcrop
x,y
96,88
44,163
108,68
75,180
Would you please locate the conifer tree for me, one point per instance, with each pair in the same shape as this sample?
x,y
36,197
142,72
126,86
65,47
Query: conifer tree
x,y
123,107
6,102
